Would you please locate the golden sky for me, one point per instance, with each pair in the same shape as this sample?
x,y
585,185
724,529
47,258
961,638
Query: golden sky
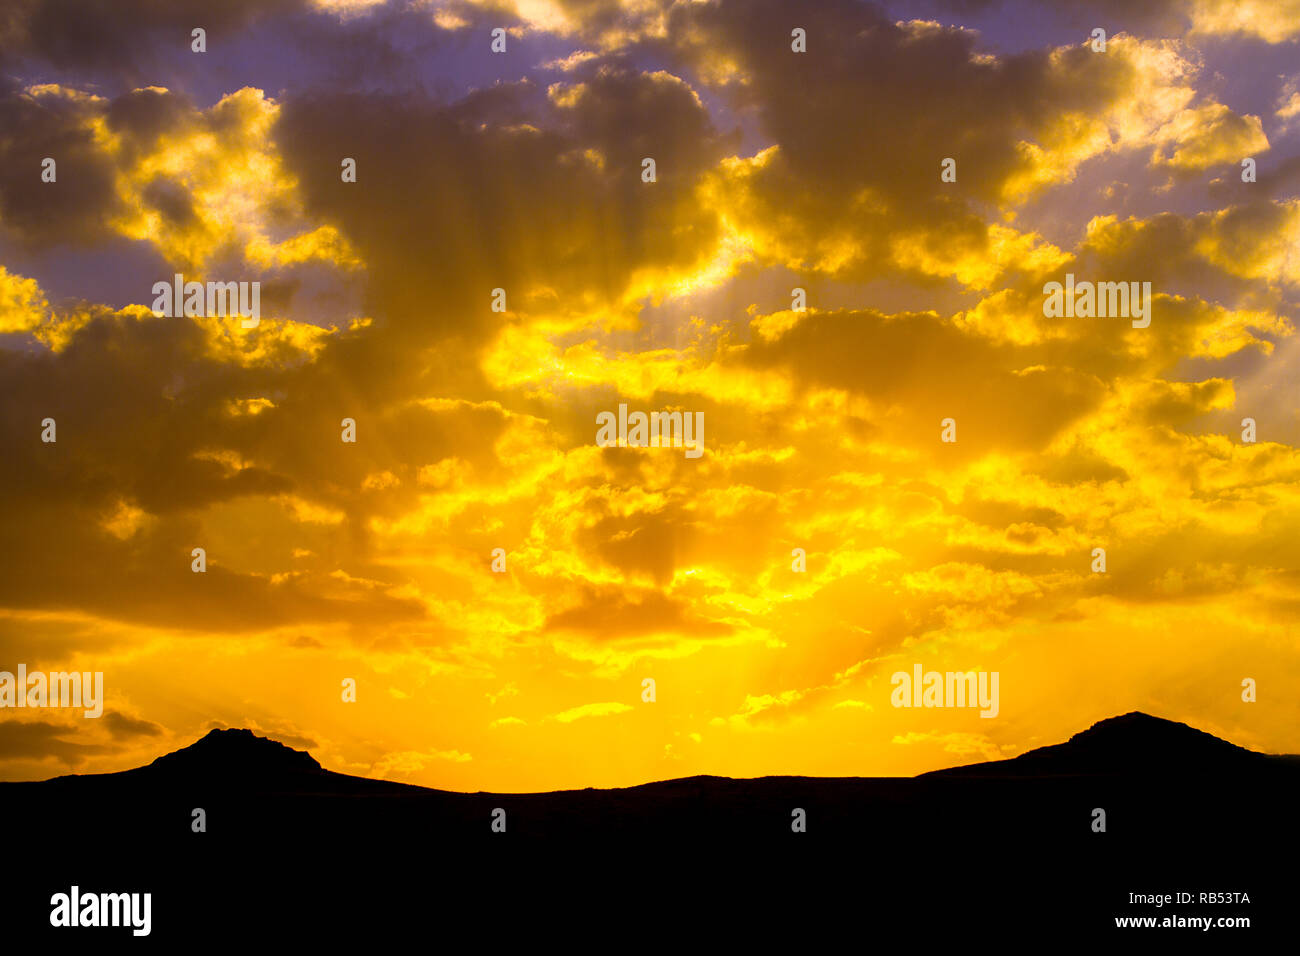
x,y
476,429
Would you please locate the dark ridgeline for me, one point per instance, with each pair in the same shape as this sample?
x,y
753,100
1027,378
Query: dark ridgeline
x,y
1135,743
1184,810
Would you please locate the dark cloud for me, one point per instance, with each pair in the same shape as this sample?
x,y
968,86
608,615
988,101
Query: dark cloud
x,y
171,199
622,613
499,190
141,117
642,544
122,727
26,739
921,370
116,34
869,116
77,206
135,400
1148,17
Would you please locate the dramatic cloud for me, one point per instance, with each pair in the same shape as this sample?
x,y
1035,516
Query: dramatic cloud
x,y
503,269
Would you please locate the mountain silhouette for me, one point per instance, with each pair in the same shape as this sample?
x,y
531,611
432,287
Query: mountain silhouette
x,y
1182,809
236,751
1134,743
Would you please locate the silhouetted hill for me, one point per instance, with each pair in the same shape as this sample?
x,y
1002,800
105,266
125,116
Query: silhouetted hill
x,y
1152,776
231,762
1134,744
1183,810
236,752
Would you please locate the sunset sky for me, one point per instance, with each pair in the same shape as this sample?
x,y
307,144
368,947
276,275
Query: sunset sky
x,y
476,429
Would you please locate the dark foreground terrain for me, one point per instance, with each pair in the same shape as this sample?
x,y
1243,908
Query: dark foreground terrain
x,y
988,853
